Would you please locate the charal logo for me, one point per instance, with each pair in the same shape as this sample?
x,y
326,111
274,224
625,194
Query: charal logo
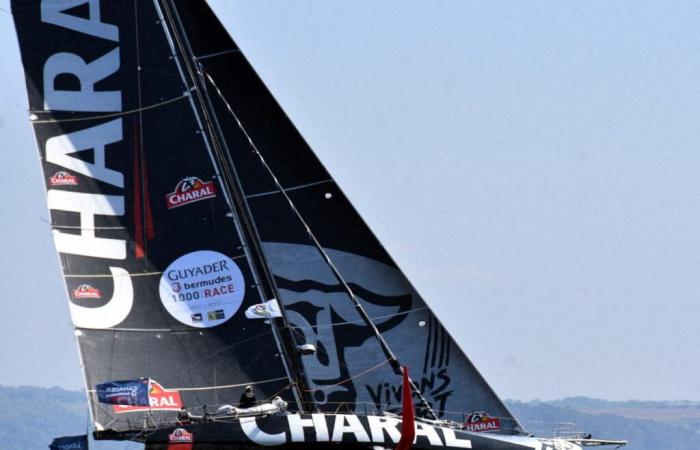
x,y
190,190
160,399
261,311
478,421
63,178
86,291
180,435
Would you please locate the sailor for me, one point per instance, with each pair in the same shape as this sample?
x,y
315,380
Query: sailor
x,y
247,398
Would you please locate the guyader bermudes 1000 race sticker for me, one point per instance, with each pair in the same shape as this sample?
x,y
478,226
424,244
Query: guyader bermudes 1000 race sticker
x,y
202,289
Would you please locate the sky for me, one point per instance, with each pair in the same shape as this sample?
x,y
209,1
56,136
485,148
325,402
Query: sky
x,y
533,167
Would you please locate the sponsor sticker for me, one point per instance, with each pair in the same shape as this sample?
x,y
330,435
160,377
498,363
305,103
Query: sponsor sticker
x,y
180,435
86,291
159,398
202,289
125,392
63,178
266,310
479,421
190,190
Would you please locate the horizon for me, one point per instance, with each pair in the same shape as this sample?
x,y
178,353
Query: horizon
x,y
506,399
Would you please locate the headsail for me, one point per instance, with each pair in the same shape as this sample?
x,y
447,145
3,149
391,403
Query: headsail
x,y
348,370
156,266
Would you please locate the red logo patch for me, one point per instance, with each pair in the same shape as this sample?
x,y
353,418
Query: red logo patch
x,y
161,399
180,435
190,190
63,179
86,291
479,421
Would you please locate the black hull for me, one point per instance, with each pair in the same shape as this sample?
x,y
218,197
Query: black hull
x,y
311,431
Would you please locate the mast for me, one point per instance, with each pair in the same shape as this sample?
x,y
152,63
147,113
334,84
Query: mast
x,y
286,342
386,350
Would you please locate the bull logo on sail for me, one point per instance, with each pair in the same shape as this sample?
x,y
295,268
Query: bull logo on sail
x,y
190,190
313,301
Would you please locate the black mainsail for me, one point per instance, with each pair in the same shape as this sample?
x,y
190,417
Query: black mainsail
x,y
155,259
181,195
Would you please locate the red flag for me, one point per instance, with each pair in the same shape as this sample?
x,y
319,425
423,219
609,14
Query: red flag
x,y
408,422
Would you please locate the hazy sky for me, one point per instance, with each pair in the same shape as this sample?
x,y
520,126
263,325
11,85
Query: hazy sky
x,y
533,166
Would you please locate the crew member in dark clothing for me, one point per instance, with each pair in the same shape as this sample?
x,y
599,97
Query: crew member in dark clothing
x,y
247,398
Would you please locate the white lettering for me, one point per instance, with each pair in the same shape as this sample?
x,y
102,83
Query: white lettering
x,y
88,205
59,149
427,431
453,441
53,12
85,99
255,434
378,425
114,312
321,427
348,423
296,426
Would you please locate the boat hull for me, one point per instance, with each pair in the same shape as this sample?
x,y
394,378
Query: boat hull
x,y
307,431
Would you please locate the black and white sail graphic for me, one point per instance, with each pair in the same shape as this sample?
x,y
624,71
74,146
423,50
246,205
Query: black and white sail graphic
x,y
316,303
156,269
181,195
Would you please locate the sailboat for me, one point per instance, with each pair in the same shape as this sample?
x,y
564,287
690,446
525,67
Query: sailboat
x,y
207,252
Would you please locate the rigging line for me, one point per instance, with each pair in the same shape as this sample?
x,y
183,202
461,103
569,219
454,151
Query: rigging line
x,y
229,347
358,320
142,274
278,393
358,306
364,372
106,116
77,227
212,55
257,357
227,386
294,188
297,332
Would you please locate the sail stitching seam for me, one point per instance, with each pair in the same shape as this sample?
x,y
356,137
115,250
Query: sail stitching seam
x,y
227,386
105,116
293,188
358,320
211,55
364,372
